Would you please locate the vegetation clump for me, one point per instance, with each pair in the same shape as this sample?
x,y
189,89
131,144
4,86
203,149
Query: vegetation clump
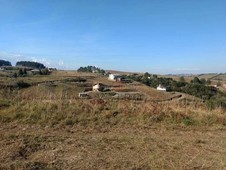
x,y
31,64
21,84
91,69
5,63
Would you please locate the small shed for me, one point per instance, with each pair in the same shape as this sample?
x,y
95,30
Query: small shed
x,y
35,71
115,77
161,88
98,87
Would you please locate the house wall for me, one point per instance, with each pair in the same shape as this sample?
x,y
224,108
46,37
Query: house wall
x,y
115,77
162,89
96,87
224,85
111,77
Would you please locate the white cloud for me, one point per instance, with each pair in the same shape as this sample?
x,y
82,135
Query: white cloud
x,y
61,63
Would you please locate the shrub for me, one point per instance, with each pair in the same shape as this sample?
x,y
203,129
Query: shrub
x,y
22,84
69,122
188,121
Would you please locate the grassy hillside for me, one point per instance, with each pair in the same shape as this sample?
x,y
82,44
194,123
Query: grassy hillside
x,y
47,126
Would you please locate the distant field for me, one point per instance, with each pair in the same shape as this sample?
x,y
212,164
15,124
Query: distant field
x,y
215,78
207,76
177,78
220,77
122,72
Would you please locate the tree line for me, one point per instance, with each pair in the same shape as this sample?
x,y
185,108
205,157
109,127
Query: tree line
x,y
5,63
31,64
91,69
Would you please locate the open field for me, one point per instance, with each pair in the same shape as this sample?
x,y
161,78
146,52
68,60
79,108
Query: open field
x,y
47,126
208,76
177,78
153,146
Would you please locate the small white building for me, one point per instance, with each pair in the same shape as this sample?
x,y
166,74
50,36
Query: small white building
x,y
52,69
115,77
224,85
35,71
161,88
98,87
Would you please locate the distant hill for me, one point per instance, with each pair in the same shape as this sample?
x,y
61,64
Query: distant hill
x,y
5,63
122,72
31,64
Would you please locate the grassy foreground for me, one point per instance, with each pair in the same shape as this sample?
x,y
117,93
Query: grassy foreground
x,y
153,146
102,134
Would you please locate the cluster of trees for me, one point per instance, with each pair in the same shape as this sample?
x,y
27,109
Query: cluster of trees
x,y
91,69
5,63
31,64
23,72
151,80
197,87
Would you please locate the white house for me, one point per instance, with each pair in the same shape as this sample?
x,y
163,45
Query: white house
x,y
161,88
224,85
98,87
115,77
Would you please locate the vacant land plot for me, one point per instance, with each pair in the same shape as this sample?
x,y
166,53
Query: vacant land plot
x,y
153,146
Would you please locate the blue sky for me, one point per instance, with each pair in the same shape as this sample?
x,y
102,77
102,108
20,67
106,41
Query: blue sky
x,y
158,36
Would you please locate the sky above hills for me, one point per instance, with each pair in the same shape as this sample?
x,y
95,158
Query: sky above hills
x,y
158,36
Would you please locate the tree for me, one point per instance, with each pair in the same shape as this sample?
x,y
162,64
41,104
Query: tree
x,y
146,75
196,81
208,82
203,81
155,76
182,79
20,72
24,71
91,69
44,72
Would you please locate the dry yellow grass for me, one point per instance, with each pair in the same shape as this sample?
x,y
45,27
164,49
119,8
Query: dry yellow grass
x,y
49,127
112,147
